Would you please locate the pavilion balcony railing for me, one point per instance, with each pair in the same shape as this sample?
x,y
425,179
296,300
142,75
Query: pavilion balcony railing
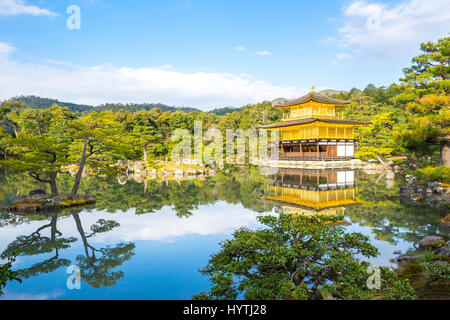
x,y
312,158
294,116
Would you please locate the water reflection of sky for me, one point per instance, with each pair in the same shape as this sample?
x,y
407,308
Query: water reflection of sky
x,y
169,251
387,251
168,254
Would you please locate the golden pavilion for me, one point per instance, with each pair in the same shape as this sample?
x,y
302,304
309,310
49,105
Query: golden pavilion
x,y
315,129
309,192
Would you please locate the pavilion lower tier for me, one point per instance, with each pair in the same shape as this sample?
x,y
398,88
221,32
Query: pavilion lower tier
x,y
316,149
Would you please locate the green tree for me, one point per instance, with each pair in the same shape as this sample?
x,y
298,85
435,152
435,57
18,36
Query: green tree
x,y
142,134
296,257
5,108
97,141
4,142
377,140
426,87
41,144
7,274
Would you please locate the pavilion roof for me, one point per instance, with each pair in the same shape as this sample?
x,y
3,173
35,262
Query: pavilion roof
x,y
305,204
311,96
289,123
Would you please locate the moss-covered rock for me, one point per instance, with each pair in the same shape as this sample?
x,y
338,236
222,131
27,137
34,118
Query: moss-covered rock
x,y
432,242
42,202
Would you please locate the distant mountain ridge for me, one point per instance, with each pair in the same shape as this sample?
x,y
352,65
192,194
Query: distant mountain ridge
x,y
44,103
225,110
330,92
133,107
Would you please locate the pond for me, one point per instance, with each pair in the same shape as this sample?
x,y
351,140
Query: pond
x,y
147,239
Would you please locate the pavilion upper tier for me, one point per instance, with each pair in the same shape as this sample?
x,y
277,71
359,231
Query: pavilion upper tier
x,y
312,105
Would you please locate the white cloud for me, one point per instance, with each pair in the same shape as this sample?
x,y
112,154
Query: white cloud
x,y
30,296
5,48
164,225
17,7
342,59
343,56
246,75
380,30
107,83
217,218
263,53
240,48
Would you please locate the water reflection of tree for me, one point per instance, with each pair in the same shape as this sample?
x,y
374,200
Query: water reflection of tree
x,y
390,221
380,209
35,244
244,186
16,184
96,266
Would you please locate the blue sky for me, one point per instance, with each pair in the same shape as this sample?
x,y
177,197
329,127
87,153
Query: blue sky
x,y
209,53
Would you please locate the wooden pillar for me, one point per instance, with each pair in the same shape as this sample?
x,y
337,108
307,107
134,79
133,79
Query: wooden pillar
x,y
318,150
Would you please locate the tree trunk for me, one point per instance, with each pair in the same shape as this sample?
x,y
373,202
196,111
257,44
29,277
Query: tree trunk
x,y
76,217
144,150
53,186
412,159
53,227
76,184
16,132
445,151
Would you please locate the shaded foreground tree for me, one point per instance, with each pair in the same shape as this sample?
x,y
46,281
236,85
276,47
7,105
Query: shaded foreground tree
x,y
7,274
297,257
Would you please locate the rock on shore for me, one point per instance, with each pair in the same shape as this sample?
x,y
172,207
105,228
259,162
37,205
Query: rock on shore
x,y
433,194
38,200
433,242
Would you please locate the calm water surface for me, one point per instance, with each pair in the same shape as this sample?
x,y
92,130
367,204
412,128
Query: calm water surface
x,y
148,239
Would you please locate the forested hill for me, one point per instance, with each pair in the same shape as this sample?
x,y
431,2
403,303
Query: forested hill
x,y
133,107
44,103
225,110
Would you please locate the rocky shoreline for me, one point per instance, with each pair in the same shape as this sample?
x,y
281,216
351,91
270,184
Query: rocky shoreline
x,y
434,194
39,200
141,170
427,268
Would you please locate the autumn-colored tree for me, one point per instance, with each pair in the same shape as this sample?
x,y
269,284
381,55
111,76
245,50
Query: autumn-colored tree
x,y
426,87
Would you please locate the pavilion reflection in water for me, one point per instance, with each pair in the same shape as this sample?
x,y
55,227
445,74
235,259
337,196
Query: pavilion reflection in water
x,y
307,192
